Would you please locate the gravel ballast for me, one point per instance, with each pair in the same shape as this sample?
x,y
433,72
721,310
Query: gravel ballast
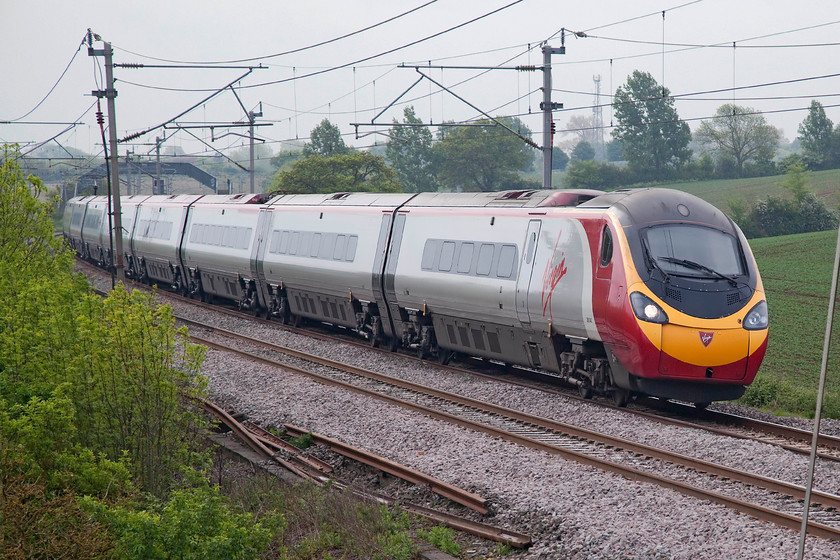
x,y
570,510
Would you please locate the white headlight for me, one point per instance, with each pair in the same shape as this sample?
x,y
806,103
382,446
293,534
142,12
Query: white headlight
x,y
646,309
757,318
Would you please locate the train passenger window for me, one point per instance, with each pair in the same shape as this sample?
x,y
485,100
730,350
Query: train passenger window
x,y
294,243
327,246
352,242
284,242
243,238
305,242
316,245
606,247
227,236
215,234
274,242
447,253
532,243
507,258
340,246
485,259
429,250
465,256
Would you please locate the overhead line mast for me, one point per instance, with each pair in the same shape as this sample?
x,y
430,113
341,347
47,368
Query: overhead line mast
x,y
110,94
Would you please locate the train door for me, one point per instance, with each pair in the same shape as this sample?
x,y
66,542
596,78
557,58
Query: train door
x,y
526,269
261,240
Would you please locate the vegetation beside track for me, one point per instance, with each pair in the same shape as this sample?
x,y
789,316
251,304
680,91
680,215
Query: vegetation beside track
x,y
796,270
101,452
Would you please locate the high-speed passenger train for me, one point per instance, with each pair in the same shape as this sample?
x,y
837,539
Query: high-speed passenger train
x,y
647,291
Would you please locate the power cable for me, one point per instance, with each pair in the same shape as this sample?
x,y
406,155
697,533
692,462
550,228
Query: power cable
x,y
52,89
292,51
355,62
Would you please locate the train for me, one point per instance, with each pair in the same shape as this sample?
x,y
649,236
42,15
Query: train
x,y
632,292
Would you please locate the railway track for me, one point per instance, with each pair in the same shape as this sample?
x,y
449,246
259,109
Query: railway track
x,y
791,439
267,445
771,500
528,433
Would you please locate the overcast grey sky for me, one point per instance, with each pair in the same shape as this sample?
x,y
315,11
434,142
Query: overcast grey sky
x,y
775,41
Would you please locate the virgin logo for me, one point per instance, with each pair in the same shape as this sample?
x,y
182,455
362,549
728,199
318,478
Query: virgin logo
x,y
554,271
706,338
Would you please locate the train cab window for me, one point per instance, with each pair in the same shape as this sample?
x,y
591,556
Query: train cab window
x,y
465,257
606,247
447,253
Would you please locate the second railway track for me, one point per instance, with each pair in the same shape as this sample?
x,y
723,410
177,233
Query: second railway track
x,y
778,502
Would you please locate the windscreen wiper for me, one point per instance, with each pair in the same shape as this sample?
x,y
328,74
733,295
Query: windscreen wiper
x,y
653,264
697,266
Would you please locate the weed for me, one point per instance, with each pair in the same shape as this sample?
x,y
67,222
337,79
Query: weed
x,y
442,538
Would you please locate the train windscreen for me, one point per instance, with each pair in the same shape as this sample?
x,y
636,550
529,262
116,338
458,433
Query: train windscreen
x,y
695,251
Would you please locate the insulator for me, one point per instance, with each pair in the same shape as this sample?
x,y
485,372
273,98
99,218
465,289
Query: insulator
x,y
100,118
531,68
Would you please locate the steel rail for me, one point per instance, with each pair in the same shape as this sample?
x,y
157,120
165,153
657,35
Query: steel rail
x,y
757,511
771,428
798,492
469,499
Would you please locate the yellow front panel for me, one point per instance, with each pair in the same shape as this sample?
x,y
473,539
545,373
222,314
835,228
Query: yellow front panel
x,y
705,347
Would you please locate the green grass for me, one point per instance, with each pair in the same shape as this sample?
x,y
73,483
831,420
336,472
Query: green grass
x,y
796,270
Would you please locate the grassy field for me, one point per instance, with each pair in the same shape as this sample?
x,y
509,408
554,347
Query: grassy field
x,y
796,270
825,184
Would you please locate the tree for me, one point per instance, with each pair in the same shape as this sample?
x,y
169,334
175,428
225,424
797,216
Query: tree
x,y
326,141
741,134
483,158
654,139
559,159
816,132
583,151
410,154
354,171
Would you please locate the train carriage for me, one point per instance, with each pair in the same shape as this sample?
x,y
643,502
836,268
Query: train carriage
x,y
156,240
74,215
220,234
321,255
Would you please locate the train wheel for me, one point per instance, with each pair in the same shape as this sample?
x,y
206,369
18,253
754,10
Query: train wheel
x,y
374,341
585,390
620,397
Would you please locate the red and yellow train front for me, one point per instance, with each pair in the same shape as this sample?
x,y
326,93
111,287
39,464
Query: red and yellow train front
x,y
694,323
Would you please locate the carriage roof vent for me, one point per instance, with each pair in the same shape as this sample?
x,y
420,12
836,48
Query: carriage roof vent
x,y
339,196
516,195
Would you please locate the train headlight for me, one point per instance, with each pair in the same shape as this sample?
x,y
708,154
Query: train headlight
x,y
757,318
646,309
